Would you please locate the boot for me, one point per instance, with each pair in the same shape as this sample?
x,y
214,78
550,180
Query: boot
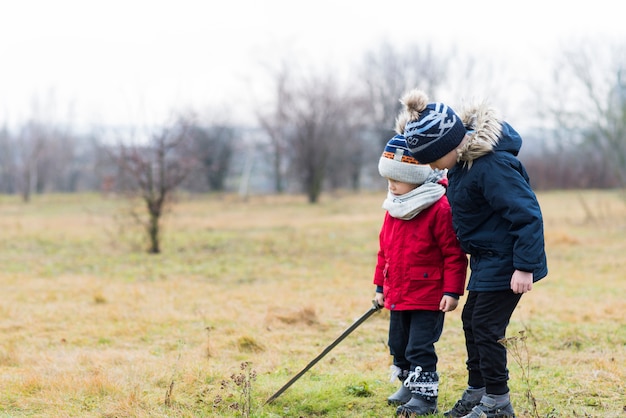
x,y
418,406
402,395
424,387
399,397
493,406
470,398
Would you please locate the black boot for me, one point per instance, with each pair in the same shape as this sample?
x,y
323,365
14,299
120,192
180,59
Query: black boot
x,y
493,406
424,387
402,395
470,398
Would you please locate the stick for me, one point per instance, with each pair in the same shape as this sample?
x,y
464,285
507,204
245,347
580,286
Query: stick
x,y
375,308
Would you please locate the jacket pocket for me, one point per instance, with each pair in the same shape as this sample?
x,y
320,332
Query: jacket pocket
x,y
425,273
426,285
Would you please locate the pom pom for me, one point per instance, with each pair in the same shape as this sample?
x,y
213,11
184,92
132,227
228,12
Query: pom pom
x,y
401,121
415,101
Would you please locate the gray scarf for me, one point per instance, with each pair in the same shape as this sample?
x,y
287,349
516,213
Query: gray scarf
x,y
408,205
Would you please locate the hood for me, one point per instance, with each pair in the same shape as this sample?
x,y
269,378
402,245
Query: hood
x,y
486,134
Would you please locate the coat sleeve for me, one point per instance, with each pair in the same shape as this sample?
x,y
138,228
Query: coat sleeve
x,y
454,258
510,194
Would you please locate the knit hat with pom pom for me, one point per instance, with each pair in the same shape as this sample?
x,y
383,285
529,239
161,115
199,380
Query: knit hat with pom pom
x,y
432,130
396,163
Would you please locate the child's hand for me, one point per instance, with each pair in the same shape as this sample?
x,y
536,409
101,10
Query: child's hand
x,y
379,298
448,303
522,281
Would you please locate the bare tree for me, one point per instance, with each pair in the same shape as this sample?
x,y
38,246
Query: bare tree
x,y
319,117
212,147
352,149
388,72
38,154
303,124
273,122
590,102
153,171
28,149
7,164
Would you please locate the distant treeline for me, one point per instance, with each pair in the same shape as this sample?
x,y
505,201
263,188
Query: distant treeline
x,y
318,132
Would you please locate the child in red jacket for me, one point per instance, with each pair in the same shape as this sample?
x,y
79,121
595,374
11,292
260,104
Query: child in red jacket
x,y
419,276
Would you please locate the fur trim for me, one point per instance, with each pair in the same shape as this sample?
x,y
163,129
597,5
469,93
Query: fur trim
x,y
487,129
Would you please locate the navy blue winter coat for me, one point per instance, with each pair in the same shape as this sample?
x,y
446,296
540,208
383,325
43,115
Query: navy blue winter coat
x,y
495,213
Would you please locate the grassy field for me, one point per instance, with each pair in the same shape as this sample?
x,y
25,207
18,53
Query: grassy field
x,y
246,294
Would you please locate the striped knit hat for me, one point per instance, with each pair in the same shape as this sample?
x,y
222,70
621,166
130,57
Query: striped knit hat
x,y
396,163
432,129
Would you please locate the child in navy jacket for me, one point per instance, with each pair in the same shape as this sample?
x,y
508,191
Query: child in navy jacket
x,y
498,221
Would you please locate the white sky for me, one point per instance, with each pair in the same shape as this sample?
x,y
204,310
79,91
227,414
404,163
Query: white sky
x,y
120,61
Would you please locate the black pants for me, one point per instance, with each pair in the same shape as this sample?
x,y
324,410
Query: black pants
x,y
485,318
412,338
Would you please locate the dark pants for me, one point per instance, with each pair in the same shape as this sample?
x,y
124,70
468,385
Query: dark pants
x,y
412,338
485,318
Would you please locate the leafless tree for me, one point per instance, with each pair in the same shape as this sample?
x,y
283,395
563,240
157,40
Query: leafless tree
x,y
314,130
212,147
7,165
387,72
153,170
317,121
28,149
589,109
273,122
351,151
39,153
39,157
308,125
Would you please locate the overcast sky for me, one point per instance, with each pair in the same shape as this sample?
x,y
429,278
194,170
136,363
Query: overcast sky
x,y
121,61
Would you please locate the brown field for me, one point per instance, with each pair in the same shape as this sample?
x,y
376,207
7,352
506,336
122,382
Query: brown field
x,y
246,294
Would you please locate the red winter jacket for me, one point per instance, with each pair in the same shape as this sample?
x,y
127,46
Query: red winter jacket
x,y
420,259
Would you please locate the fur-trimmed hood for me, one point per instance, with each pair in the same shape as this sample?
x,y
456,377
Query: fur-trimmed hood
x,y
495,213
487,133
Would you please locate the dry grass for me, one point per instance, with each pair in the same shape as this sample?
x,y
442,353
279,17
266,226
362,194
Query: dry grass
x,y
92,327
